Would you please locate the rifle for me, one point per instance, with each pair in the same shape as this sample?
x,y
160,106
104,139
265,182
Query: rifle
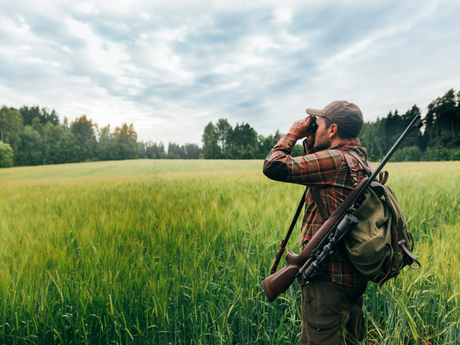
x,y
324,241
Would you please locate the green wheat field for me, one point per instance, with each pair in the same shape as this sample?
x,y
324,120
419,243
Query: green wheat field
x,y
173,252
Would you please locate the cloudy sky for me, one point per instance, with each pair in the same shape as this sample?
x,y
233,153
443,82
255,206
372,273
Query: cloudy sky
x,y
170,67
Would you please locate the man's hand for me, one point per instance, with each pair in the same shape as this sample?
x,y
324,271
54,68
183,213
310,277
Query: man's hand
x,y
300,128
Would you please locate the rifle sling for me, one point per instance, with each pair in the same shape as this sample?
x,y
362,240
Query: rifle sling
x,y
296,216
323,212
288,235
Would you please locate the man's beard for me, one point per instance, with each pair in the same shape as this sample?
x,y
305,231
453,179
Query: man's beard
x,y
321,143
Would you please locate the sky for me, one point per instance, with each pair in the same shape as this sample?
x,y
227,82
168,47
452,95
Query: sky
x,y
171,67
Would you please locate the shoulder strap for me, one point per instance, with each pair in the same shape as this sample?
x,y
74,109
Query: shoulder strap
x,y
352,168
366,167
323,212
383,175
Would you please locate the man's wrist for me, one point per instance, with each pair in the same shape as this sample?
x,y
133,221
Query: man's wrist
x,y
286,142
292,136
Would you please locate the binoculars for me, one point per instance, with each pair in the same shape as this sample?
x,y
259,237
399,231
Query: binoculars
x,y
313,125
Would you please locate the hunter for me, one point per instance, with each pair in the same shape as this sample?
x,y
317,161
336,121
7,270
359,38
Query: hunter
x,y
332,303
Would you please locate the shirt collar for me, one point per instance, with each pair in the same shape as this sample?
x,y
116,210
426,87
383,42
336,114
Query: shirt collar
x,y
347,144
352,144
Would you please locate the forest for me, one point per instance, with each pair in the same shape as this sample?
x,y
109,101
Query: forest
x,y
438,140
34,136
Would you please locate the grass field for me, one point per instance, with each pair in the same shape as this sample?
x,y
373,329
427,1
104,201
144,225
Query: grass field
x,y
173,252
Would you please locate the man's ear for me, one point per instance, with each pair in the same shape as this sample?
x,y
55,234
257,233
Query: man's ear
x,y
333,131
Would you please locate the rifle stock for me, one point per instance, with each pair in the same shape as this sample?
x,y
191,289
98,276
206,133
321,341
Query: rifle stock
x,y
279,282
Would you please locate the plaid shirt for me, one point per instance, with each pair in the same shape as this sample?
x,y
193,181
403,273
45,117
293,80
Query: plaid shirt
x,y
329,171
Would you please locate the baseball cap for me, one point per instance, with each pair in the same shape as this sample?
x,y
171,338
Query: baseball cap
x,y
344,114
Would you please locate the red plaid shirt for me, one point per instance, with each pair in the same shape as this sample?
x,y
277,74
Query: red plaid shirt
x,y
329,171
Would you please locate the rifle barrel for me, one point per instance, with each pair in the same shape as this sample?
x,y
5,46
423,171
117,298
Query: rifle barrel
x,y
416,123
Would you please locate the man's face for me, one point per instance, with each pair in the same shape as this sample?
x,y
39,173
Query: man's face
x,y
322,141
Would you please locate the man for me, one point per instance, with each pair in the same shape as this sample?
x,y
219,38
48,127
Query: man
x,y
332,303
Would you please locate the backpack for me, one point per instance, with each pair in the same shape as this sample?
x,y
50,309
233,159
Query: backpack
x,y
380,246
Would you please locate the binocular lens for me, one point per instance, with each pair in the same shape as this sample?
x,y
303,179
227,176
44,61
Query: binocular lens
x,y
313,125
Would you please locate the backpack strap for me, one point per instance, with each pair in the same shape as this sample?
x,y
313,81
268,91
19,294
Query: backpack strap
x,y
383,175
352,168
366,167
409,254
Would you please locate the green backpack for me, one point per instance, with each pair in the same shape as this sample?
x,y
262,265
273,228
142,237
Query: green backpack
x,y
380,246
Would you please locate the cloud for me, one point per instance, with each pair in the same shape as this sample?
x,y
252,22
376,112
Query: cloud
x,y
172,67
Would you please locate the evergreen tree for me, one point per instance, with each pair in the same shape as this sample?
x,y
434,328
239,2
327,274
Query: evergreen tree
x,y
414,137
244,142
174,151
153,150
29,114
43,115
193,151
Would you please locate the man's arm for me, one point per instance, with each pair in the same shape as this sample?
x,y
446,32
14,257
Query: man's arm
x,y
317,169
275,166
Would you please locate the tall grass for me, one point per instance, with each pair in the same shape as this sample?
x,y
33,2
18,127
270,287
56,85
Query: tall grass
x,y
423,306
178,258
139,167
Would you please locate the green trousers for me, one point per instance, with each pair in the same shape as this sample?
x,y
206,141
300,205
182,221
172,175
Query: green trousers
x,y
332,314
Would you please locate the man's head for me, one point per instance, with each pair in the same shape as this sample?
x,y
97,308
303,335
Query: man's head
x,y
338,121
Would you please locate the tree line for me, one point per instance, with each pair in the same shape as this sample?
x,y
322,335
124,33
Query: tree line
x,y
222,141
34,136
438,140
